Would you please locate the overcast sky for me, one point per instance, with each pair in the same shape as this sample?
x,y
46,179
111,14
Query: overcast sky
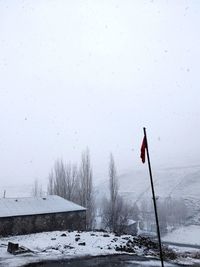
x,y
91,73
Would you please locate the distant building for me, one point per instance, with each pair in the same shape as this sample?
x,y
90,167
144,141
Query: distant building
x,y
131,227
39,214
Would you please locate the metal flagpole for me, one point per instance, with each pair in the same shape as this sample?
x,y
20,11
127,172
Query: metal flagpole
x,y
154,199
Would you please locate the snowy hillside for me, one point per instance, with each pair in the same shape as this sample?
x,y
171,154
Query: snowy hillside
x,y
186,235
175,182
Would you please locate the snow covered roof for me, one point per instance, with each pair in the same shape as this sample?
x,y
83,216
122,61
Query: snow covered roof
x,y
130,222
10,207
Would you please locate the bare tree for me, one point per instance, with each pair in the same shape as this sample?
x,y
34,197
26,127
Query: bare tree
x,y
71,181
171,213
63,181
124,211
59,175
50,187
66,181
114,187
147,215
86,189
116,212
37,189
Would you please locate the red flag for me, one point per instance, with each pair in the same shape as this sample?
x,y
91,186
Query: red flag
x,y
143,147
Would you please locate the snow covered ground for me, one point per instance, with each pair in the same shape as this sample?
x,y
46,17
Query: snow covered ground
x,y
187,235
60,245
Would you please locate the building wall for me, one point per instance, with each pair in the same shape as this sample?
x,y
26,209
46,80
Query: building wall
x,y
40,223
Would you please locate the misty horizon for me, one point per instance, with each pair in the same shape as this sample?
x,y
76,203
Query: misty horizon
x,y
93,74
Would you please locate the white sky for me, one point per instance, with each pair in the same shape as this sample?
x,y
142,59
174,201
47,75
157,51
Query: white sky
x,y
93,73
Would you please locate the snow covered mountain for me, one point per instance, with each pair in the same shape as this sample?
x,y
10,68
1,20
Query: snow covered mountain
x,y
178,183
175,182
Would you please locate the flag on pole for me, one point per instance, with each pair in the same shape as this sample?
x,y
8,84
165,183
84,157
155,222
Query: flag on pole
x,y
143,147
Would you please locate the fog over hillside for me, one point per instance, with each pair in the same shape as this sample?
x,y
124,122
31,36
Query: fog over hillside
x,y
177,182
180,183
174,182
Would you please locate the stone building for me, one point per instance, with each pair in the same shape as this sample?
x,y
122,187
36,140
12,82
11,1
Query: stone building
x,y
39,214
131,227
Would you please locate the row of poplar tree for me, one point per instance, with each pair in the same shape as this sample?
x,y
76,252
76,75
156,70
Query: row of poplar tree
x,y
75,183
